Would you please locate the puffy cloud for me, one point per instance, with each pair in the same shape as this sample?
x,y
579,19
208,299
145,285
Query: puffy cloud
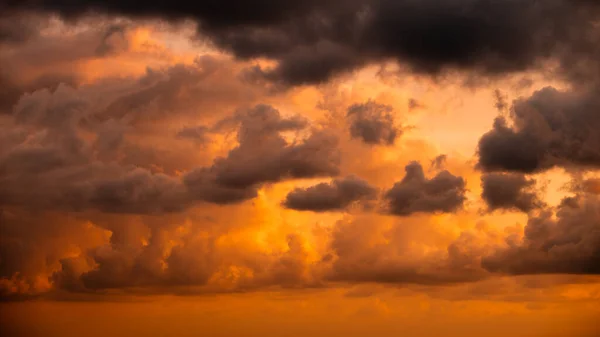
x,y
334,196
86,148
65,50
374,249
373,123
567,243
415,193
509,191
551,128
264,156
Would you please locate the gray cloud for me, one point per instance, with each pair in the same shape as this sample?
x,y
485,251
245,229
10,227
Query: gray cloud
x,y
334,196
47,163
415,193
551,128
264,156
313,41
509,191
373,123
568,243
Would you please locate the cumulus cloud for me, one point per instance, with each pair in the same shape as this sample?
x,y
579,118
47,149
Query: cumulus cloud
x,y
26,36
551,128
71,149
509,191
371,249
99,191
373,123
264,156
334,196
567,242
416,193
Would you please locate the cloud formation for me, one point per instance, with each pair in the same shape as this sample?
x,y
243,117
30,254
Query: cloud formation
x,y
373,123
312,41
128,164
510,192
264,156
334,196
415,193
568,242
551,128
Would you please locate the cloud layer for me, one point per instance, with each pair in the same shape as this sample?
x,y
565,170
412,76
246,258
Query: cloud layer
x,y
236,146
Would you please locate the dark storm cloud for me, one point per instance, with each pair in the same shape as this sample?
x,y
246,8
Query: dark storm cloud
x,y
334,196
567,243
444,193
313,40
373,123
551,128
509,191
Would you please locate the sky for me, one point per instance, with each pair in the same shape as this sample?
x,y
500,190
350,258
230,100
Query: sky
x,y
290,168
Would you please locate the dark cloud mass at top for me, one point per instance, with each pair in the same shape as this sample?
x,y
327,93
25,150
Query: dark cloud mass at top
x,y
314,40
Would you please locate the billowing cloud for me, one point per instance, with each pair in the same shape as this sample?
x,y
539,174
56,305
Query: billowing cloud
x,y
129,164
264,156
313,41
568,242
549,129
509,191
334,196
415,193
71,150
373,123
402,251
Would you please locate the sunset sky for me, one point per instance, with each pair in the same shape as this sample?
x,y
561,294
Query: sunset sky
x,y
412,168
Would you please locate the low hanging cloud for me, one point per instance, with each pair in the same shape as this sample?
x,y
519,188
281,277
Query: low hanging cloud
x,y
509,191
567,243
314,41
334,196
373,123
415,193
551,128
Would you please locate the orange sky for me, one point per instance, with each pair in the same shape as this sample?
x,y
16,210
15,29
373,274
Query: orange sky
x,y
255,267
